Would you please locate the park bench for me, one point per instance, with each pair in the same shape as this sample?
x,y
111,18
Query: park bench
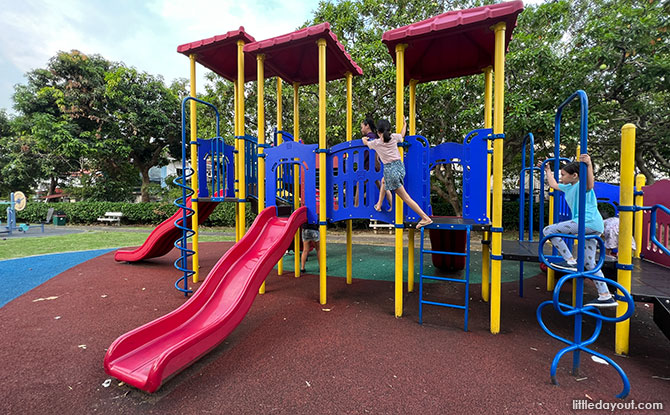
x,y
374,224
111,217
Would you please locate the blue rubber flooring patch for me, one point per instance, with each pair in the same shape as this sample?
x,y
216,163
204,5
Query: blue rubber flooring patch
x,y
20,275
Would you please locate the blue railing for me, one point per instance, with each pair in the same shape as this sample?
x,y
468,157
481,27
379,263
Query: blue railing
x,y
250,148
652,225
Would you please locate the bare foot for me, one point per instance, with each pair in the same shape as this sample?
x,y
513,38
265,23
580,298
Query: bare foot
x,y
378,208
423,223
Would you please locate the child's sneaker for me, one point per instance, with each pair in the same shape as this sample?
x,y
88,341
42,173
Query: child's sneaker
x,y
565,265
597,302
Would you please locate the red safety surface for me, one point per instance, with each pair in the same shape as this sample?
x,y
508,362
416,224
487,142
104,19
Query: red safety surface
x,y
161,240
452,44
156,351
291,355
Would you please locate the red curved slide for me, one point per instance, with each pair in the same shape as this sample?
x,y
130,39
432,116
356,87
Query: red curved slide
x,y
161,240
150,354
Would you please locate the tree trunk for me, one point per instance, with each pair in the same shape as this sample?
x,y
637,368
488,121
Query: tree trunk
x,y
144,171
639,160
52,188
443,173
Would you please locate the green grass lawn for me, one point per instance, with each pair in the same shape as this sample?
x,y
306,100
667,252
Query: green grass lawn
x,y
22,247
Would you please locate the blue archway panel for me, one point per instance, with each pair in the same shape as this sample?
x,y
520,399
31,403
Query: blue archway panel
x,y
471,155
290,153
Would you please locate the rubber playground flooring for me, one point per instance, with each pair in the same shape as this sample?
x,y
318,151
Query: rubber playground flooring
x,y
20,275
292,355
375,262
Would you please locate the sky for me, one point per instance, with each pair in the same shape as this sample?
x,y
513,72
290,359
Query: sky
x,y
140,33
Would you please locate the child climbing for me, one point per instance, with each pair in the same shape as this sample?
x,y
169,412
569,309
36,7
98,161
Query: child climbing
x,y
369,130
386,147
569,184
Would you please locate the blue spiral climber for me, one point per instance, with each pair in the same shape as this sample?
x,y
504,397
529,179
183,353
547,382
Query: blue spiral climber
x,y
182,223
579,311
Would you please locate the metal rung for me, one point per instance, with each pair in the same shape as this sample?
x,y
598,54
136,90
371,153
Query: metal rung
x,y
432,277
462,307
445,253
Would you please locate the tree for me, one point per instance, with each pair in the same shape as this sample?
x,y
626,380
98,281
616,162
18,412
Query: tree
x,y
18,167
623,53
143,124
61,112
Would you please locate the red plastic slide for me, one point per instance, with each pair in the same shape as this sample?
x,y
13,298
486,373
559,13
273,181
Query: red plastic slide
x,y
156,351
161,240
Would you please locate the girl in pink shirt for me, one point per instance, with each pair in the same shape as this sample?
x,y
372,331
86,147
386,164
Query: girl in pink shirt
x,y
386,148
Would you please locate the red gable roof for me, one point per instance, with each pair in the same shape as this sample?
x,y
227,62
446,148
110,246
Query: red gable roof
x,y
452,44
295,56
219,54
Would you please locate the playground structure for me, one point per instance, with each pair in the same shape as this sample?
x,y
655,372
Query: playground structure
x,y
287,173
346,197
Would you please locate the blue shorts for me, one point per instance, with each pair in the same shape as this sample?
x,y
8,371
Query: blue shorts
x,y
394,174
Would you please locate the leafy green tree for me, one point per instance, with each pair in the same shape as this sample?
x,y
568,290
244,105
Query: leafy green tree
x,y
61,112
143,122
19,169
622,52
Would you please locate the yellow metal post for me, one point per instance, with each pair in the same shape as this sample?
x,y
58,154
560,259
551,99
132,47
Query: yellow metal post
x,y
280,264
488,123
236,158
296,177
322,170
350,132
640,182
260,109
399,217
194,178
242,174
498,128
411,231
627,166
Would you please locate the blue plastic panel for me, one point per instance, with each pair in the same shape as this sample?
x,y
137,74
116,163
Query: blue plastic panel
x,y
607,193
290,153
471,155
417,180
353,187
222,180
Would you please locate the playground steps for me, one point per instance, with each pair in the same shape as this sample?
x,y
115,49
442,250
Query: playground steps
x,y
454,224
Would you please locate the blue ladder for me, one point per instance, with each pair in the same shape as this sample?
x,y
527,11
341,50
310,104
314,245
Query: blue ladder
x,y
466,280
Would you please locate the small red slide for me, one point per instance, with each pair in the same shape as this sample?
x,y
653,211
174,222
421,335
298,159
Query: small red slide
x,y
162,239
150,354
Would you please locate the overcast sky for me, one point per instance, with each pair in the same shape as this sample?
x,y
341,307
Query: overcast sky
x,y
140,33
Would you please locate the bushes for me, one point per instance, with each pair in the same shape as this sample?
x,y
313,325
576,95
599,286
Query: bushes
x,y
153,213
